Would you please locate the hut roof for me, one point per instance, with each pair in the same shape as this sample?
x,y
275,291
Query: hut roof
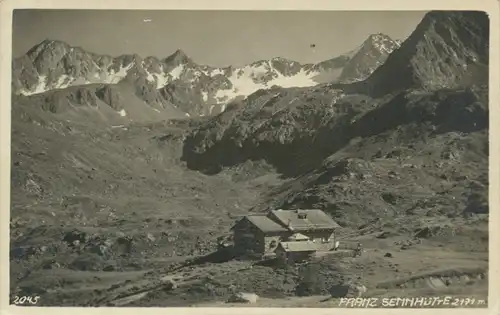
x,y
264,224
301,220
298,246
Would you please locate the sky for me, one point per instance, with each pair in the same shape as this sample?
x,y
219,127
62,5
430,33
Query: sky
x,y
215,38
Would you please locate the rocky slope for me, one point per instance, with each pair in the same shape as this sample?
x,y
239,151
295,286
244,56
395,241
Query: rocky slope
x,y
96,103
446,50
177,80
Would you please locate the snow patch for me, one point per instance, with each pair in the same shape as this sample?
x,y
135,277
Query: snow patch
x,y
64,81
115,77
42,84
244,84
205,96
176,72
122,113
40,87
215,72
301,79
150,77
161,80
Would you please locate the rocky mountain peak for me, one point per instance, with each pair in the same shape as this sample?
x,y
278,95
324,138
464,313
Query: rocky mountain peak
x,y
283,61
47,44
372,53
178,57
381,41
446,50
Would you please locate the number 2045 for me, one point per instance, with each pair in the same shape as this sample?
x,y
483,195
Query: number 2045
x,y
24,300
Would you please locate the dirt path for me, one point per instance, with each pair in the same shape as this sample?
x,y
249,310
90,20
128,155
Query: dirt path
x,y
420,270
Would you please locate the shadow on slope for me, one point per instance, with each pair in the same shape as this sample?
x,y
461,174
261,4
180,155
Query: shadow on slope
x,y
297,139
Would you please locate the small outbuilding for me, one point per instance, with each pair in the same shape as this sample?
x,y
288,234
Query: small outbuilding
x,y
295,251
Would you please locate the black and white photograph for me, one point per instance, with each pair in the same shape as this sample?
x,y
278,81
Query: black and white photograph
x,y
249,158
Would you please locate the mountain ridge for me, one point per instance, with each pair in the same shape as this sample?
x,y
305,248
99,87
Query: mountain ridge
x,y
54,65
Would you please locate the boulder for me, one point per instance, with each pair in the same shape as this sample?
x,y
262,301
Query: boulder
x,y
51,265
169,285
242,297
347,290
150,237
71,237
18,252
